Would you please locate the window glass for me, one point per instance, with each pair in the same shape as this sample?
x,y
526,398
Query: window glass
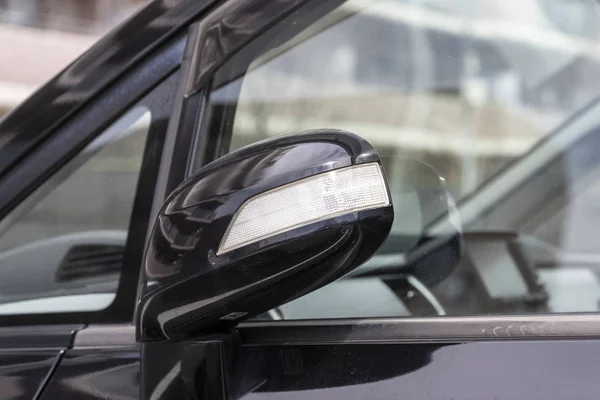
x,y
497,96
62,248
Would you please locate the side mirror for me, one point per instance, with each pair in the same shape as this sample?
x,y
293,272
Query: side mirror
x,y
259,227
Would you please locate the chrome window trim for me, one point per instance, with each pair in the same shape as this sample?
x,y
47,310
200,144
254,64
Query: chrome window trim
x,y
380,331
426,330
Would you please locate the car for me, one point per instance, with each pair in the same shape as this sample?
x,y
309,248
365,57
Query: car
x,y
259,199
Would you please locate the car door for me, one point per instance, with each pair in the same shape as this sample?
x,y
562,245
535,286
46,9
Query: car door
x,y
79,167
402,75
367,337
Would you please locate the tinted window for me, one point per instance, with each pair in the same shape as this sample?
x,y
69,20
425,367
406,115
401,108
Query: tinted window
x,y
484,95
62,248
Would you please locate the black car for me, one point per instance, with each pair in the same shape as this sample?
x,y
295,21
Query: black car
x,y
262,199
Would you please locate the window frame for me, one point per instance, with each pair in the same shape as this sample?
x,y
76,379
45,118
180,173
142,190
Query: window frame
x,y
151,85
211,143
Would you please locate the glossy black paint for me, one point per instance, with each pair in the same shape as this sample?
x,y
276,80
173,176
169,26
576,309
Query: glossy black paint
x,y
28,355
73,135
188,287
509,370
227,29
83,128
208,367
114,55
388,359
162,381
24,371
500,369
232,31
100,373
461,358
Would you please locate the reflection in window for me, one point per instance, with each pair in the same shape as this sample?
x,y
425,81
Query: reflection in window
x,y
483,92
62,248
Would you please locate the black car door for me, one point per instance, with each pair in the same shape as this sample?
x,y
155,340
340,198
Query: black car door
x,y
514,318
79,162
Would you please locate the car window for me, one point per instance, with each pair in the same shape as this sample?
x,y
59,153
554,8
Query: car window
x,y
62,248
497,98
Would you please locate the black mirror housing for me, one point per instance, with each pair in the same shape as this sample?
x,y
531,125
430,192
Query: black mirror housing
x,y
213,258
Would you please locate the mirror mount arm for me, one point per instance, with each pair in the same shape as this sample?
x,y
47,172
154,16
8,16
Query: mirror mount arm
x,y
209,360
204,367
